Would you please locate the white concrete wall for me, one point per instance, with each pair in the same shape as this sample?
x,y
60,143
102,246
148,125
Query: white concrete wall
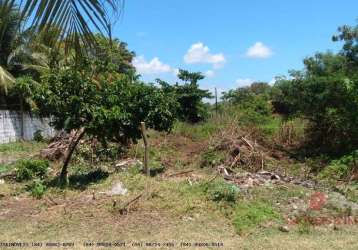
x,y
10,126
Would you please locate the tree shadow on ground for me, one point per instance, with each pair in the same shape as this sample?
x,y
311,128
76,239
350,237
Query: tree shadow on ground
x,y
156,171
82,180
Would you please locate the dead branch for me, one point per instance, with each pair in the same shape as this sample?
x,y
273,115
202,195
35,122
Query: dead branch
x,y
237,158
213,178
124,208
52,201
180,173
247,142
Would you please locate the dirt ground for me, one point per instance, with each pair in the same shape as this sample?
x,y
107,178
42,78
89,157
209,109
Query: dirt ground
x,y
168,215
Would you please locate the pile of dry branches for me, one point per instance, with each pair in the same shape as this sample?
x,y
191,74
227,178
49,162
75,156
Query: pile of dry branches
x,y
56,150
243,149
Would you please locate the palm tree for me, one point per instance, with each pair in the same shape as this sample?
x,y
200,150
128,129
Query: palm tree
x,y
10,20
76,20
19,53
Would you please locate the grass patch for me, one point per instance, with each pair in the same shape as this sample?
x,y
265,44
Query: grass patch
x,y
249,215
4,168
272,126
304,227
23,146
196,131
212,158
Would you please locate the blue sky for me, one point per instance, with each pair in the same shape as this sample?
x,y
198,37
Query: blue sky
x,y
233,42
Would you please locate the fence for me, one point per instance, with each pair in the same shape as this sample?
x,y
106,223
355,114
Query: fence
x,y
14,126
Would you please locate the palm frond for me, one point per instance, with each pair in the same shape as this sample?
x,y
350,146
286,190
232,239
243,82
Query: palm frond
x,y
6,80
77,20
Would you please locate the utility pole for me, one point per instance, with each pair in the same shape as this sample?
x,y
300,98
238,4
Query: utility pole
x,y
146,148
216,101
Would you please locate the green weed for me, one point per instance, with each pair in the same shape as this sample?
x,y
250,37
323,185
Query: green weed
x,y
29,169
248,215
222,191
37,189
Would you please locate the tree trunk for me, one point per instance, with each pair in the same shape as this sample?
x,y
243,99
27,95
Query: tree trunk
x,y
68,155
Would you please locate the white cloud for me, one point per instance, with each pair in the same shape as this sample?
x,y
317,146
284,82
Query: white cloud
x,y
244,82
155,66
273,81
259,50
209,73
199,53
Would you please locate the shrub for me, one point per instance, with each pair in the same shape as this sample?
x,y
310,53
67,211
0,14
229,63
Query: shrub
x,y
340,168
248,215
252,102
222,191
37,189
29,169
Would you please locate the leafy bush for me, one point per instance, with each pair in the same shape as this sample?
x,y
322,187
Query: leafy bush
x,y
257,111
222,191
341,168
248,215
38,189
29,169
252,103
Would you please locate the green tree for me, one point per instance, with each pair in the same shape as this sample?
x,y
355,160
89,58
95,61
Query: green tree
x,y
247,94
109,109
190,77
326,94
189,96
115,52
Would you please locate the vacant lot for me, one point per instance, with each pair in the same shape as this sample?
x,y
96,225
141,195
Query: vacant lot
x,y
182,204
